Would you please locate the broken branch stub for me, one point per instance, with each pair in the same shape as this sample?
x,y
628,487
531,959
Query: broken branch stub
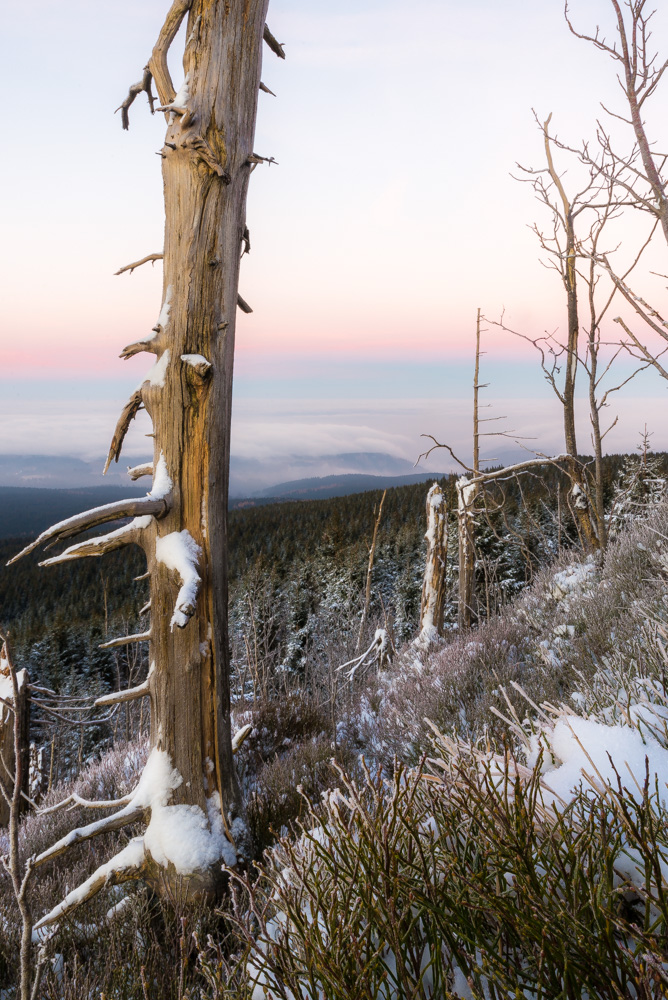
x,y
128,414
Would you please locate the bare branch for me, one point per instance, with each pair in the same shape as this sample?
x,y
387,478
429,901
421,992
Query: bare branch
x,y
144,85
130,694
276,47
644,310
126,865
158,61
128,534
152,257
92,518
650,358
266,90
243,305
126,640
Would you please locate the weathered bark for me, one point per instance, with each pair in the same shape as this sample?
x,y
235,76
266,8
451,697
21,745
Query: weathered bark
x,y
467,492
205,171
433,586
182,527
8,734
8,737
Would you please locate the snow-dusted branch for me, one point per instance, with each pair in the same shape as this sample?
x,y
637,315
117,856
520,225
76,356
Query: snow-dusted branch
x,y
379,649
128,534
130,813
155,506
240,737
74,800
130,694
124,866
128,413
137,471
125,640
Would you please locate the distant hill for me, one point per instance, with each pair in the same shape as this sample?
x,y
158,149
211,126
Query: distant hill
x,y
326,487
249,477
27,511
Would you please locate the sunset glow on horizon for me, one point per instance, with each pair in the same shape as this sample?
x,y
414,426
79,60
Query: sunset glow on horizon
x,y
390,219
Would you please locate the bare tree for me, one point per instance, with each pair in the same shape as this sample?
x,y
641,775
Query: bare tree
x,y
369,572
433,585
638,176
181,525
641,178
573,244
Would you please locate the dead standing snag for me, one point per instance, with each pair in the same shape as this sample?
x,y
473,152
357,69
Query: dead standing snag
x,y
182,529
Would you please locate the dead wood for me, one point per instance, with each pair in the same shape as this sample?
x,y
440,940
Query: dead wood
x,y
128,413
152,257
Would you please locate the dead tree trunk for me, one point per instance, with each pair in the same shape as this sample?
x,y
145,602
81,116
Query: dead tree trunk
x,y
579,493
369,572
8,738
181,525
467,492
433,587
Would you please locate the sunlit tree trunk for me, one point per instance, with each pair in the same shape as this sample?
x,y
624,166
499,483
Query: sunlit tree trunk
x,y
207,158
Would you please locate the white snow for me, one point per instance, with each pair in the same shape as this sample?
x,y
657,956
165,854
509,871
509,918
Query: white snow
x,y
574,579
183,95
589,753
180,834
7,689
156,375
130,857
195,360
162,483
466,493
163,318
179,551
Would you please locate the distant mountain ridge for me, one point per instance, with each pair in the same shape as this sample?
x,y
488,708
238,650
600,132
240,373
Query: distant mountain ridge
x,y
249,476
325,487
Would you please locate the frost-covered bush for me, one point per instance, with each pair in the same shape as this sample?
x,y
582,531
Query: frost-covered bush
x,y
477,875
576,616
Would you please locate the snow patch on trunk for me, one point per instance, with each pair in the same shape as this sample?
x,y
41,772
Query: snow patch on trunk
x,y
162,483
179,551
156,375
181,835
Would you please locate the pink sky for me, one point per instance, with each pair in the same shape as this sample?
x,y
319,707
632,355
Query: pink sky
x,y
391,217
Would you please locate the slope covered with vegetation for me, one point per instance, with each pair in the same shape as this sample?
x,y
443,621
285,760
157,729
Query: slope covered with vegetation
x,y
426,863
